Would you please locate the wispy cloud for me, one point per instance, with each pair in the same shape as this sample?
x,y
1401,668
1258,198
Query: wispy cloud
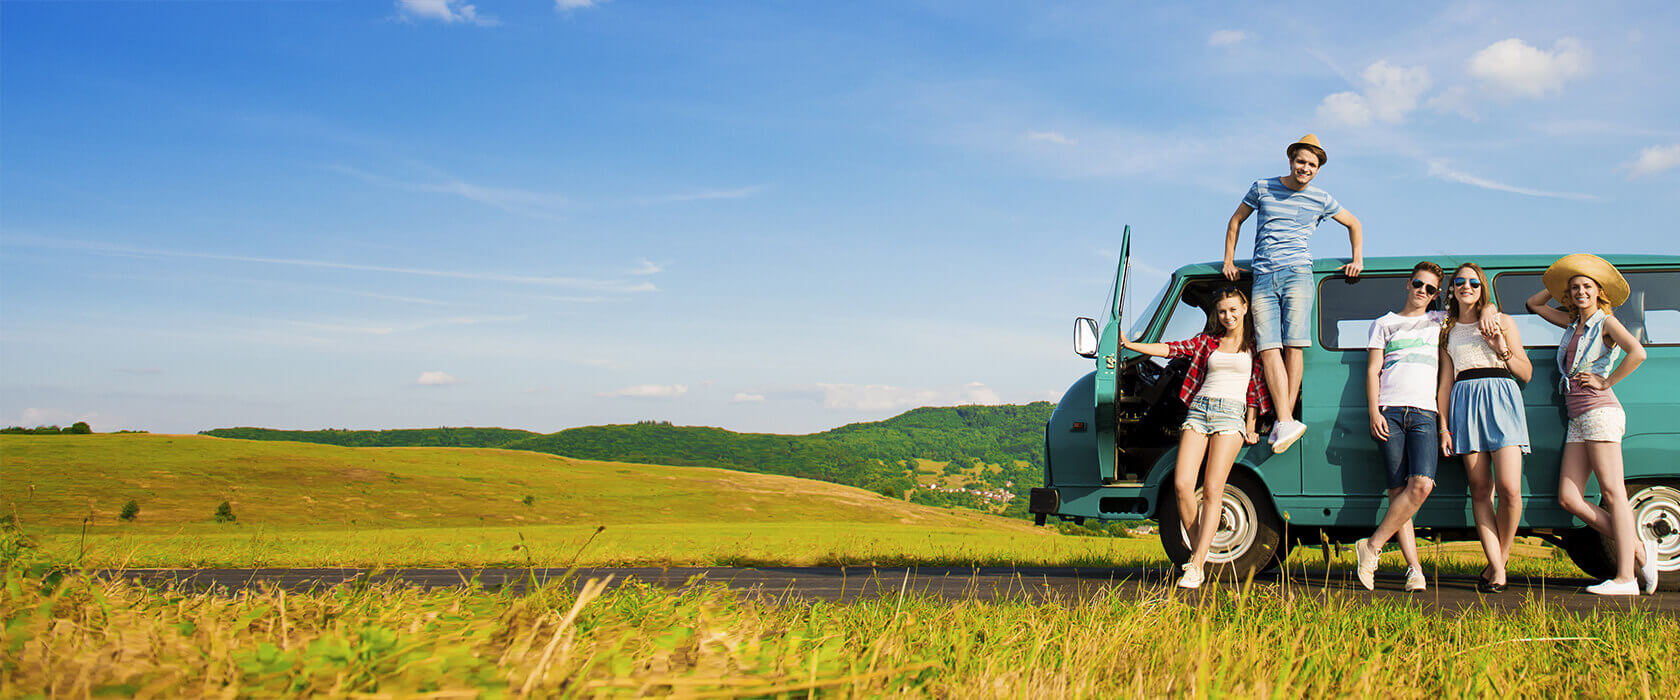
x,y
1654,160
882,397
376,328
744,397
1055,137
570,5
436,379
1226,37
600,285
548,206
449,11
1439,169
704,195
647,267
1514,67
647,391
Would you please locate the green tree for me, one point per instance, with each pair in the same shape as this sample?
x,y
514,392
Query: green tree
x,y
224,513
79,428
130,510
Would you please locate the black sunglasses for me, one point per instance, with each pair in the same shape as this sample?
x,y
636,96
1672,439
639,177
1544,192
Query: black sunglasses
x,y
1460,281
1425,286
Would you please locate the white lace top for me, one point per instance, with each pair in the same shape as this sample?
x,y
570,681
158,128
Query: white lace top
x,y
1469,350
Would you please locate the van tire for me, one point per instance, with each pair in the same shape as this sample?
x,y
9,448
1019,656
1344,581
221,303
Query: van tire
x,y
1251,543
1656,512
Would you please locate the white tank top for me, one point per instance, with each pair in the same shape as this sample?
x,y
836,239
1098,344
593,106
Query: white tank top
x,y
1469,350
1227,375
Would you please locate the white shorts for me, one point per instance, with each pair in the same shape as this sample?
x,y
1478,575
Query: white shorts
x,y
1605,424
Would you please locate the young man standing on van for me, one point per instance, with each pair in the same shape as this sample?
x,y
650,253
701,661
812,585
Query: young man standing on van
x,y
1290,211
1400,384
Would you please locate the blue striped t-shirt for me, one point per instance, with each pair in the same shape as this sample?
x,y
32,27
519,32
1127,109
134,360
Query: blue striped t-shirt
x,y
1286,218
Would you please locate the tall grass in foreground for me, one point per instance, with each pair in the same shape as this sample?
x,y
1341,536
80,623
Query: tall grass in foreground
x,y
68,635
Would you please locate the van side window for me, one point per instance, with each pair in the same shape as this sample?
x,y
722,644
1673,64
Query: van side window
x,y
1652,311
1511,289
1347,307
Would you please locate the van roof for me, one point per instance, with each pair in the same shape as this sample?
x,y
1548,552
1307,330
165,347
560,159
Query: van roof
x,y
1391,264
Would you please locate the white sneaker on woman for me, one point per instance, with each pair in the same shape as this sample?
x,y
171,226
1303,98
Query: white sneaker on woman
x,y
1612,587
1192,577
1648,574
1415,580
1366,569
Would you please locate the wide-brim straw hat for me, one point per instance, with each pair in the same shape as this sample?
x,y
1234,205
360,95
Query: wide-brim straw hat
x,y
1310,141
1612,285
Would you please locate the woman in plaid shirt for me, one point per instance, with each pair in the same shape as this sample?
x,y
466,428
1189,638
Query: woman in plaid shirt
x,y
1226,395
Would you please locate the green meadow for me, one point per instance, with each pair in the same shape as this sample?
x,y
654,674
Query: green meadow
x,y
299,504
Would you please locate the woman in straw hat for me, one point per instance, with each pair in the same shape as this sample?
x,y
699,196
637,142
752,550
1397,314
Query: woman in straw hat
x,y
1479,396
1587,287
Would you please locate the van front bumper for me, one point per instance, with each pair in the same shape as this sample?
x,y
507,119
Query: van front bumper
x,y
1130,502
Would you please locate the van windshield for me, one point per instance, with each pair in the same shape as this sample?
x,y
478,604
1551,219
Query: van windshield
x,y
1138,317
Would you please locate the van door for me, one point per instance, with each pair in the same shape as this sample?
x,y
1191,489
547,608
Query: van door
x,y
1108,359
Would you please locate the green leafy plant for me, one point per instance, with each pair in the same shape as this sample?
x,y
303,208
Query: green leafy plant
x,y
224,513
130,510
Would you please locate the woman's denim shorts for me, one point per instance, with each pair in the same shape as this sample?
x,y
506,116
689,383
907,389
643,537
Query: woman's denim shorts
x,y
1212,416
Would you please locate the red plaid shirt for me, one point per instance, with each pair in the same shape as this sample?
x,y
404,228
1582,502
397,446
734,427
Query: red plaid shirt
x,y
1198,349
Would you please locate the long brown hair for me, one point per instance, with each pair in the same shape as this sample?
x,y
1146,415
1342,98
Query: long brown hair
x,y
1452,299
1213,327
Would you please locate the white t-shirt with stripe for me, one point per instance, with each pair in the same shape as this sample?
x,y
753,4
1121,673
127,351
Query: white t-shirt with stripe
x,y
1411,358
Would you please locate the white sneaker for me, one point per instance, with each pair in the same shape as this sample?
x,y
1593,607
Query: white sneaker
x,y
1366,569
1192,577
1285,433
1611,587
1648,575
1415,581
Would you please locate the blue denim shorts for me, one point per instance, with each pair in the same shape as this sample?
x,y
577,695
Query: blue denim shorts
x,y
1283,307
1414,444
1211,416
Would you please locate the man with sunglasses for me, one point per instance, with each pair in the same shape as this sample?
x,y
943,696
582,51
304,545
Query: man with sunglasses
x,y
1400,384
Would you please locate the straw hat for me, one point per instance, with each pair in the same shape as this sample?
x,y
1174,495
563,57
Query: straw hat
x,y
1310,141
1613,285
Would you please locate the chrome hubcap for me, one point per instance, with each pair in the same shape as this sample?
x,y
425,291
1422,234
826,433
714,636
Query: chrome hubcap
x,y
1237,527
1656,515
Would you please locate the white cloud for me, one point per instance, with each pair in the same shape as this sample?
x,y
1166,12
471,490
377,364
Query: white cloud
x,y
744,397
1226,37
1513,67
1453,100
1654,160
569,5
548,206
436,379
33,417
883,397
444,11
647,267
647,391
1055,137
1390,93
1441,170
704,195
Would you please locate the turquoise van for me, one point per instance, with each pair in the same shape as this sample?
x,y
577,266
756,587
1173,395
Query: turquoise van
x,y
1110,443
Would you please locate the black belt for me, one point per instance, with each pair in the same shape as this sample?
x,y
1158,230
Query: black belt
x,y
1485,373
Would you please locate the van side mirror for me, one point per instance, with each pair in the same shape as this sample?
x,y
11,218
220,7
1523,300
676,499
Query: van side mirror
x,y
1085,337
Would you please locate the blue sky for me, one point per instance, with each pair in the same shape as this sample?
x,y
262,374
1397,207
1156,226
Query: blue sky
x,y
766,216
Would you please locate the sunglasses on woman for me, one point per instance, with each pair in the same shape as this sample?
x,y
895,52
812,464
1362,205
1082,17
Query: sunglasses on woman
x,y
1461,281
1427,288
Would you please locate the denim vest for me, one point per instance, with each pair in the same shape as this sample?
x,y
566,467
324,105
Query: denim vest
x,y
1591,354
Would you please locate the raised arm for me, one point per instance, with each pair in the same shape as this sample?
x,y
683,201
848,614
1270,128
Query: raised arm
x,y
1443,401
1635,355
1232,228
1356,238
1537,305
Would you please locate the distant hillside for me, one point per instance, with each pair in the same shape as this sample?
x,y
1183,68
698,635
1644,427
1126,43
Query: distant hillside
x,y
879,456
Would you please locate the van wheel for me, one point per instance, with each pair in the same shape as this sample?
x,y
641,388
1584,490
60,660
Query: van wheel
x,y
1249,535
1656,517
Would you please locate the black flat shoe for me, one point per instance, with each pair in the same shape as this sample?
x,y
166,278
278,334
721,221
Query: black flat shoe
x,y
1486,586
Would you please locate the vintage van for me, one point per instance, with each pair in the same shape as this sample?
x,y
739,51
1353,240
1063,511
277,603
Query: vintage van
x,y
1111,442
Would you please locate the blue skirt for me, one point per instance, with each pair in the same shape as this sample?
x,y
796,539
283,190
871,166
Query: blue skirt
x,y
1487,414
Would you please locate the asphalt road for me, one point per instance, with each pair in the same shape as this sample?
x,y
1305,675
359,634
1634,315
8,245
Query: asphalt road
x,y
1066,585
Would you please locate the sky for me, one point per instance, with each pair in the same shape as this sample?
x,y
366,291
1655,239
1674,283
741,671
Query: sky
x,y
763,216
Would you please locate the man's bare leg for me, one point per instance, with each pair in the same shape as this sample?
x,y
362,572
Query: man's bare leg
x,y
1277,382
1293,363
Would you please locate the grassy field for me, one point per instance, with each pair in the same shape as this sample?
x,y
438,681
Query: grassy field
x,y
74,636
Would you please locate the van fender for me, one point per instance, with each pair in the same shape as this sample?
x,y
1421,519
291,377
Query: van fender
x,y
1247,460
1650,456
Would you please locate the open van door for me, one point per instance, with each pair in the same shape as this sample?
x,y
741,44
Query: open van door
x,y
1108,360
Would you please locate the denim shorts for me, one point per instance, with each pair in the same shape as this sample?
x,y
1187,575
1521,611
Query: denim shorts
x,y
1413,447
1283,307
1211,416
